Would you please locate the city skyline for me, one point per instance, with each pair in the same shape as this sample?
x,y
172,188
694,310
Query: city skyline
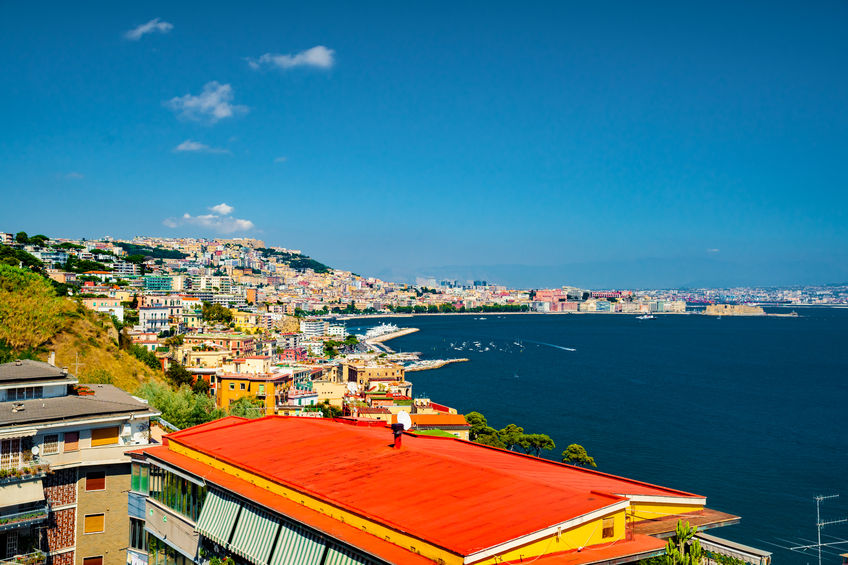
x,y
655,146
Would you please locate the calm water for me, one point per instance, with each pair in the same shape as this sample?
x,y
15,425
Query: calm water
x,y
746,411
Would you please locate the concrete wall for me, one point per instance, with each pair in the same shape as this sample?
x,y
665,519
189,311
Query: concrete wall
x,y
112,502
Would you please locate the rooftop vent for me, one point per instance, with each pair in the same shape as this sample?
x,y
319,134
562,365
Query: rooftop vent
x,y
65,371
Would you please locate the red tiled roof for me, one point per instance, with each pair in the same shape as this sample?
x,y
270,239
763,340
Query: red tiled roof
x,y
466,497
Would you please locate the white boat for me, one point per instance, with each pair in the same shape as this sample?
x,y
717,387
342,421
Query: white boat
x,y
645,317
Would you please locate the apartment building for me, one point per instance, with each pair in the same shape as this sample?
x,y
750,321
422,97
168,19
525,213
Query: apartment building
x,y
63,469
281,490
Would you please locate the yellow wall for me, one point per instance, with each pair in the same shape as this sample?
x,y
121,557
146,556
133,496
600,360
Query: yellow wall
x,y
649,510
586,534
224,396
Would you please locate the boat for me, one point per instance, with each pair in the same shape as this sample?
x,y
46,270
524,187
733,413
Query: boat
x,y
645,317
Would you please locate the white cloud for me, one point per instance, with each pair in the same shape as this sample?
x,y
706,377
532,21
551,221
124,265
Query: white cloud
x,y
190,146
281,159
318,56
712,250
213,104
73,175
223,209
153,26
220,222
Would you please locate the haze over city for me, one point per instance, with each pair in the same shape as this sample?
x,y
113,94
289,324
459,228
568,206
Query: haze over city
x,y
600,145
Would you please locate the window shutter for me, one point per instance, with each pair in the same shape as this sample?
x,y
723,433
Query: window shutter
x,y
104,436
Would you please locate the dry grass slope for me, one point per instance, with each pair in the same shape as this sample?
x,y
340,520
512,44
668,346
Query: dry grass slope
x,y
90,339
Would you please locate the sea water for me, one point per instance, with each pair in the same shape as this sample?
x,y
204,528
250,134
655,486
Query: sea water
x,y
747,411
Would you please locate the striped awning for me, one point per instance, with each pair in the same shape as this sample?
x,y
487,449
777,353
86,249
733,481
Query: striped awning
x,y
217,517
298,546
337,555
254,535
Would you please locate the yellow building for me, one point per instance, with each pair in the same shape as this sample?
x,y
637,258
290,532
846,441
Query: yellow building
x,y
269,388
286,490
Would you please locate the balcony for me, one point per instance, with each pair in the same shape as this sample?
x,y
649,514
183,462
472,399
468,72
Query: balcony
x,y
33,558
90,456
25,518
24,473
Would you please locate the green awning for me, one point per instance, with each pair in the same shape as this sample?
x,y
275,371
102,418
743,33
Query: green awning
x,y
217,517
254,535
338,555
298,546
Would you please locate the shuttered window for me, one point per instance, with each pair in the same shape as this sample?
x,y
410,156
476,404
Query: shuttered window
x,y
50,444
94,523
104,436
71,441
609,528
95,480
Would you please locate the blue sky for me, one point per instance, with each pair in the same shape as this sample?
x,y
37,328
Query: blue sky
x,y
604,144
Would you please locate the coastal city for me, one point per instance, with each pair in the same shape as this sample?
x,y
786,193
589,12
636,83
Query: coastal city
x,y
423,283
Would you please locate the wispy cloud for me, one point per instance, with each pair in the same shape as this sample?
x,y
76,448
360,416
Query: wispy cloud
x,y
220,221
190,146
712,250
211,105
153,26
73,175
319,57
281,159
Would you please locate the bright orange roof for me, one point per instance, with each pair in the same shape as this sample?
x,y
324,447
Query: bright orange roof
x,y
458,495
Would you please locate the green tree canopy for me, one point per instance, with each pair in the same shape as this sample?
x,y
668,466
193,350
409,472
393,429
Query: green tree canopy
x,y
575,454
179,375
182,408
216,313
247,407
511,436
535,443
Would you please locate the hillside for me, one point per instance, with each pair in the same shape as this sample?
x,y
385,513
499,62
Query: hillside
x,y
34,321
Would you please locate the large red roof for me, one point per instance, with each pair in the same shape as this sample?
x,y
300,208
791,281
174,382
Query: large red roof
x,y
455,494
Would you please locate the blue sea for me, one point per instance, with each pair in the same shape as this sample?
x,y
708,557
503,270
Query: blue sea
x,y
749,412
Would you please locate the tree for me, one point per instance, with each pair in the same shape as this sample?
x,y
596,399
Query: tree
x,y
575,454
216,313
200,386
247,407
536,443
179,375
481,432
22,237
39,240
511,436
182,408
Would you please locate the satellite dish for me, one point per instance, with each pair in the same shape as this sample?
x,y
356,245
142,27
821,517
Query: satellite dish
x,y
403,418
34,450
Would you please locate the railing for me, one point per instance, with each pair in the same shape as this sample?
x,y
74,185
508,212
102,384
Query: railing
x,y
25,472
33,558
18,519
90,455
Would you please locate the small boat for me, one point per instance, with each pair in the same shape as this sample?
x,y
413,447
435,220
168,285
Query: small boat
x,y
645,317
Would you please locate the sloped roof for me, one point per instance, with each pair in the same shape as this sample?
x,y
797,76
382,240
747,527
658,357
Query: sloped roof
x,y
458,495
28,372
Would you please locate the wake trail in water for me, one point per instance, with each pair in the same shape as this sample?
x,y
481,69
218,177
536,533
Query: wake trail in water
x,y
551,345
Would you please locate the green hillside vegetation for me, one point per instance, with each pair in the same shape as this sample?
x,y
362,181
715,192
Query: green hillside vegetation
x,y
295,260
155,252
35,321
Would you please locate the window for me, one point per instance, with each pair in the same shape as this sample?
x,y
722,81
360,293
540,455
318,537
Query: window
x,y
138,538
94,523
24,393
104,436
609,528
139,478
50,444
241,385
175,492
95,480
92,560
71,441
10,453
232,386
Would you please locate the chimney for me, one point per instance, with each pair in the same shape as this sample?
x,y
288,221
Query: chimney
x,y
51,359
397,429
65,371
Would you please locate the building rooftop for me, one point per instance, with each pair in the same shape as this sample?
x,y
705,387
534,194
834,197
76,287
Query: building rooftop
x,y
26,371
466,497
107,400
